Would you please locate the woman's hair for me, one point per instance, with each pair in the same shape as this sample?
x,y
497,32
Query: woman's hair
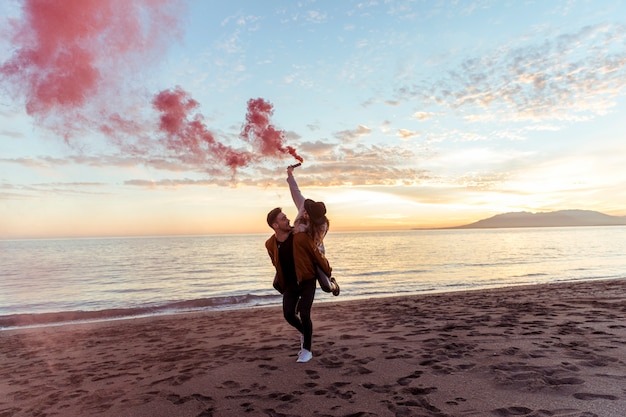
x,y
318,231
318,222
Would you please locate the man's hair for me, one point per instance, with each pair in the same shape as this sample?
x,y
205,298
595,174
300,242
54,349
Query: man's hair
x,y
271,216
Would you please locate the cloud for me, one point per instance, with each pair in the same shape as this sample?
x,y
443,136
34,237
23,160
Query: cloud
x,y
422,115
561,78
12,134
333,165
71,184
482,180
315,16
352,135
167,183
317,148
406,134
39,190
27,162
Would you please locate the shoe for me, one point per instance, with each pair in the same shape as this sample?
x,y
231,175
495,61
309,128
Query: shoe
x,y
337,289
304,356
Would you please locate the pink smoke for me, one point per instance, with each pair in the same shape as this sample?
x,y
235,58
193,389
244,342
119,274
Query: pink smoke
x,y
187,133
259,130
74,65
69,51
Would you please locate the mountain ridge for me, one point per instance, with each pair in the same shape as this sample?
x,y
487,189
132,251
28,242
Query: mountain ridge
x,y
559,218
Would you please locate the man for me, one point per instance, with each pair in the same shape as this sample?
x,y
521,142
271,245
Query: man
x,y
294,255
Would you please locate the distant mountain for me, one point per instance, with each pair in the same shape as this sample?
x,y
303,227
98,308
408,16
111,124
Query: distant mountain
x,y
561,218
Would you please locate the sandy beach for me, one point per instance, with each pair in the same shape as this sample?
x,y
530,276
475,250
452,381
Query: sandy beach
x,y
546,350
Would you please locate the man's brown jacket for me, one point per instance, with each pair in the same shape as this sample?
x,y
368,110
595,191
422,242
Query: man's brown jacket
x,y
305,255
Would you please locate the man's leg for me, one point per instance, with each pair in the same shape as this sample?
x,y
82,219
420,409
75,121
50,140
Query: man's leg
x,y
290,300
307,294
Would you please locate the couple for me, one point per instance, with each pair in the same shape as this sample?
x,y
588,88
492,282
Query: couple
x,y
298,256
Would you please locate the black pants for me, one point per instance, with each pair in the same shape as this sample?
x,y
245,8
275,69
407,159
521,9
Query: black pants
x,y
304,293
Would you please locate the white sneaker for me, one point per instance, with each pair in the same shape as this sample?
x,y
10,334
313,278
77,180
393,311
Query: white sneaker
x,y
304,356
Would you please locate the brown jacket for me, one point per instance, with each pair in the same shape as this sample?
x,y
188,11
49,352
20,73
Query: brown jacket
x,y
306,255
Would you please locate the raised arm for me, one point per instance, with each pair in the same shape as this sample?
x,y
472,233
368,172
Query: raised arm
x,y
296,194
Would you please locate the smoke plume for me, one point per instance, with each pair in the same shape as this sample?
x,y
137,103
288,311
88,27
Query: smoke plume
x,y
187,133
69,52
259,130
77,67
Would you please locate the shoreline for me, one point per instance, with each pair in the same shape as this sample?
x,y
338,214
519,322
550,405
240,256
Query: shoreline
x,y
534,350
71,317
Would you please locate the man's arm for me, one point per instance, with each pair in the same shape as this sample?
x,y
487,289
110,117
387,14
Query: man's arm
x,y
269,245
307,255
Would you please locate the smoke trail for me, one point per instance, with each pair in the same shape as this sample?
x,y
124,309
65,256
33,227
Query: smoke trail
x,y
260,132
187,133
68,52
74,65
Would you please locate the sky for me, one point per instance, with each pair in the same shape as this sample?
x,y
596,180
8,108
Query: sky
x,y
160,117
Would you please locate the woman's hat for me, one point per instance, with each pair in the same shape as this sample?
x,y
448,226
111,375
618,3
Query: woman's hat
x,y
316,211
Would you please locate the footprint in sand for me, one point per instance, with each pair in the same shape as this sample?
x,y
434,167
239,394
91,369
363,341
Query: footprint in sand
x,y
334,391
456,401
588,396
177,399
356,370
512,411
331,362
406,380
230,384
312,374
523,411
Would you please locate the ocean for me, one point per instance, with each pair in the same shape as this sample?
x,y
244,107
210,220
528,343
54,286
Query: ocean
x,y
44,282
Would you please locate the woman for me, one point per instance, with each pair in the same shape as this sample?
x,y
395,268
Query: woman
x,y
311,219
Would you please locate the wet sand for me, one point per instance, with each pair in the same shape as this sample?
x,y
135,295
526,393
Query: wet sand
x,y
546,350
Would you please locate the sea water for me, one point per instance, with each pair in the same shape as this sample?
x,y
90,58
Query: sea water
x,y
121,277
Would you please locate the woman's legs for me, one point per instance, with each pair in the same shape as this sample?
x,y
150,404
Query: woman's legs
x,y
326,284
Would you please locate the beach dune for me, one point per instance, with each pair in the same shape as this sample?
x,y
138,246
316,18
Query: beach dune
x,y
545,350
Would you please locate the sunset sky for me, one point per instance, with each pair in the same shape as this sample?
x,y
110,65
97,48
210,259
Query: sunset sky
x,y
408,114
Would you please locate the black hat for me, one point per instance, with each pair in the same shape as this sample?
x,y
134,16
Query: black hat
x,y
316,211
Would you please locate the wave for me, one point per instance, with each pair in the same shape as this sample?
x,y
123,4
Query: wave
x,y
390,272
64,317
